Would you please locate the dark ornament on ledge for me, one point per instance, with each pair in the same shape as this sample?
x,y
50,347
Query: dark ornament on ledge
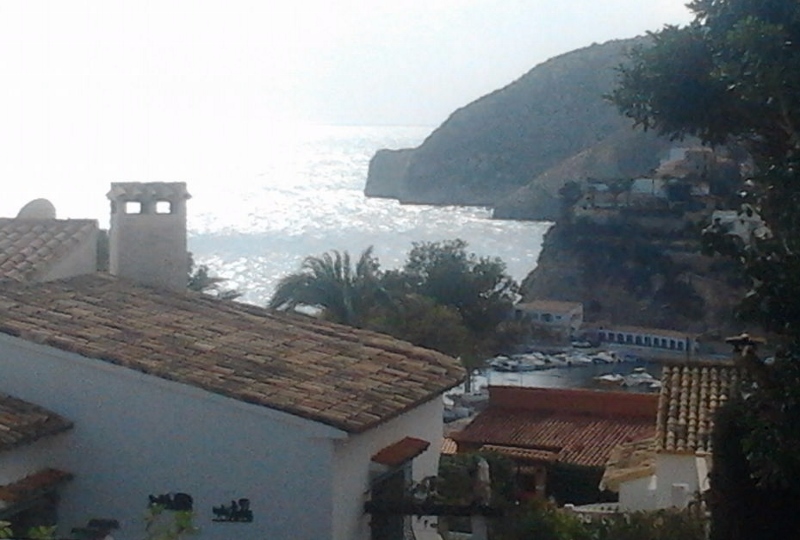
x,y
178,502
237,512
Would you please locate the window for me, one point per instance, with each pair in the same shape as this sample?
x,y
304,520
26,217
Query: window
x,y
133,207
163,207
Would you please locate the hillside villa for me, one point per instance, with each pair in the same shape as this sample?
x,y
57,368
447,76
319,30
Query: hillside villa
x,y
671,469
122,387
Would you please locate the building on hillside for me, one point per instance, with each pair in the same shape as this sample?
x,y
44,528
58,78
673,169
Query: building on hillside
x,y
559,438
266,425
671,469
562,318
654,338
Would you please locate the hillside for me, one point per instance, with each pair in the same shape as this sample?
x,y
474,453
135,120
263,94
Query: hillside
x,y
549,126
628,274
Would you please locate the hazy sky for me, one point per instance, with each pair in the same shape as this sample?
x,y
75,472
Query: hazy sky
x,y
100,85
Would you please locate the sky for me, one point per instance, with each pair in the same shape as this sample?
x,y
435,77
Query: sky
x,y
104,86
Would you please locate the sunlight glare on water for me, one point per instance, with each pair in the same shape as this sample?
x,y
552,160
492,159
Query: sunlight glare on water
x,y
307,198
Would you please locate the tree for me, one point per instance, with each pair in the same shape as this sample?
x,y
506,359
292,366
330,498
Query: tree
x,y
421,321
200,280
732,76
478,287
345,293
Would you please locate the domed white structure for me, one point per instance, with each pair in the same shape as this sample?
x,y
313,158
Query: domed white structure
x,y
38,209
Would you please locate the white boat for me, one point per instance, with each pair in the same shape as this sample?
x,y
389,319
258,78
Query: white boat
x,y
519,363
610,378
639,376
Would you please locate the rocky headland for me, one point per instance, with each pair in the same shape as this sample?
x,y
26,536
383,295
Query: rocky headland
x,y
515,148
628,205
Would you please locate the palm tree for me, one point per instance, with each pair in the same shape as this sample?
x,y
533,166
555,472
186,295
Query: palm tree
x,y
343,292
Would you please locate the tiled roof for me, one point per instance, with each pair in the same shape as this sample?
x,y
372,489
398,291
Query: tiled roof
x,y
403,450
580,427
22,423
344,377
449,446
629,461
32,486
690,394
525,454
30,247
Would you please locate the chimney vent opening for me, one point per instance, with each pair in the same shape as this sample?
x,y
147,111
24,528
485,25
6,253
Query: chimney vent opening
x,y
163,207
133,207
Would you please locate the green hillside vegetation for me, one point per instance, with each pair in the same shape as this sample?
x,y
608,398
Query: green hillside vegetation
x,y
551,125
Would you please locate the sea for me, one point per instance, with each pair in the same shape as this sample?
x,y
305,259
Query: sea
x,y
307,197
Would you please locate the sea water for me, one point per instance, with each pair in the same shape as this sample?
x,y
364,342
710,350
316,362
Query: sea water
x,y
307,198
267,199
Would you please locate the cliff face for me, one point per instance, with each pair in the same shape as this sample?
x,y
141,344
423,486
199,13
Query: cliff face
x,y
549,126
627,275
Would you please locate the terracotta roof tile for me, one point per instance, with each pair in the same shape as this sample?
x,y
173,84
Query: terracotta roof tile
x,y
690,394
30,247
403,450
629,461
22,423
344,377
32,486
580,427
449,446
524,454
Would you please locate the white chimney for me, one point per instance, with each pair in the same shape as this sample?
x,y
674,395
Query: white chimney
x,y
147,240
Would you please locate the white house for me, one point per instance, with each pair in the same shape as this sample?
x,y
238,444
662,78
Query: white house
x,y
276,426
671,469
563,317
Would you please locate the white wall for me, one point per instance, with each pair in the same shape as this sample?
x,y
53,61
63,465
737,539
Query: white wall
x,y
17,463
638,494
137,435
673,469
353,456
666,488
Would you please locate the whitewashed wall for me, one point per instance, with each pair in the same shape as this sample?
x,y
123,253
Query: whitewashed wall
x,y
352,458
638,494
137,435
17,463
675,469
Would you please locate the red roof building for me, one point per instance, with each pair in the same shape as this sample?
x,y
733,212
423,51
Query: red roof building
x,y
540,428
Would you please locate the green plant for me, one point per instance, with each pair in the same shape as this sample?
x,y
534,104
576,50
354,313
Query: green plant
x,y
163,524
42,532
